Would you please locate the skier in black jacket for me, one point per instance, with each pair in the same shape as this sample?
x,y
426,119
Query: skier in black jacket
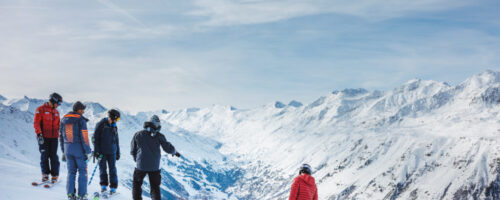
x,y
145,148
107,150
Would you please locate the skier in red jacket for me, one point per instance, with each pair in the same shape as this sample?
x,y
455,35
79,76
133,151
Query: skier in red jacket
x,y
46,125
304,187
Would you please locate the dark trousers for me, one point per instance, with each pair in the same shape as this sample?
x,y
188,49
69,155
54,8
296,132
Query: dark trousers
x,y
154,182
108,161
48,151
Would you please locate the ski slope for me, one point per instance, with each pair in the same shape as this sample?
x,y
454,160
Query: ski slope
x,y
17,178
201,172
422,140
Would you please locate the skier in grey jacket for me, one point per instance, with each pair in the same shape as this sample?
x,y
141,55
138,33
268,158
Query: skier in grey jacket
x,y
145,148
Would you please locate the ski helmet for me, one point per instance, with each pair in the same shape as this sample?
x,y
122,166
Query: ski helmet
x,y
78,106
305,168
114,114
155,121
55,98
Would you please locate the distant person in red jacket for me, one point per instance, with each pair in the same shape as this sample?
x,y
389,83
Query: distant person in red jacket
x,y
304,187
46,125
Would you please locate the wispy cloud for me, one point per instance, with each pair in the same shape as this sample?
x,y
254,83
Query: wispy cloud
x,y
122,11
229,12
176,54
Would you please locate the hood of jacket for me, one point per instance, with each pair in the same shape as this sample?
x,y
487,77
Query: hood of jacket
x,y
75,113
307,179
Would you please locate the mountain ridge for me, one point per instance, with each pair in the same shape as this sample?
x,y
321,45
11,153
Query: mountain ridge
x,y
422,140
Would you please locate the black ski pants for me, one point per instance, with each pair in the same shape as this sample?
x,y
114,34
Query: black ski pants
x,y
108,160
48,154
154,182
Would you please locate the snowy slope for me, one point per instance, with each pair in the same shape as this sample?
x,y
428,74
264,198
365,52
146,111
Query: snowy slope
x,y
19,159
202,172
422,140
425,139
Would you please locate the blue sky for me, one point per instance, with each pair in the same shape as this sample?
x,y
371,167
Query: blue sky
x,y
195,53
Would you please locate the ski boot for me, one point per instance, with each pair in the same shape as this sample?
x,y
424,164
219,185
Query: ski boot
x,y
54,179
85,197
45,177
71,197
96,196
112,191
104,188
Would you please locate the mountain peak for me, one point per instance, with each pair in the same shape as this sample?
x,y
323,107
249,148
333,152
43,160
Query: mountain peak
x,y
413,81
294,103
412,84
351,92
488,76
421,85
95,107
484,79
279,104
490,72
193,109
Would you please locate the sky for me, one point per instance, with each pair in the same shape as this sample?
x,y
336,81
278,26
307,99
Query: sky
x,y
171,54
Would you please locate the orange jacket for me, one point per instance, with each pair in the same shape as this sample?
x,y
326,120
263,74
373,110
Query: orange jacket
x,y
47,121
304,188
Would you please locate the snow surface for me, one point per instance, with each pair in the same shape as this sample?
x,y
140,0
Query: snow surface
x,y
422,140
202,172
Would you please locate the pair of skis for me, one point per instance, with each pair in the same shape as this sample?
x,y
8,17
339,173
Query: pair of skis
x,y
103,195
46,184
96,196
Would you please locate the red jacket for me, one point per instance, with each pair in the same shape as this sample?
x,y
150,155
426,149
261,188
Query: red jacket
x,y
47,121
304,188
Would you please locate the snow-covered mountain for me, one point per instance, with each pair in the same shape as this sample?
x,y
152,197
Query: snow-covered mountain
x,y
422,140
202,172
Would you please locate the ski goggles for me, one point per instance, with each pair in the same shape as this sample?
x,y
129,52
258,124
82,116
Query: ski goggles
x,y
117,119
56,101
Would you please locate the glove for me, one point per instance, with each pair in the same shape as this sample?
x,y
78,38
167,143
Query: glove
x,y
177,154
97,155
64,157
39,137
117,156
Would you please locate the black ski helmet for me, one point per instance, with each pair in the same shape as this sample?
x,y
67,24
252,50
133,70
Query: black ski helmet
x,y
155,121
78,106
55,98
113,114
305,168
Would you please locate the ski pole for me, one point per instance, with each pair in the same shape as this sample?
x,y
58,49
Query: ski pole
x,y
92,177
95,168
